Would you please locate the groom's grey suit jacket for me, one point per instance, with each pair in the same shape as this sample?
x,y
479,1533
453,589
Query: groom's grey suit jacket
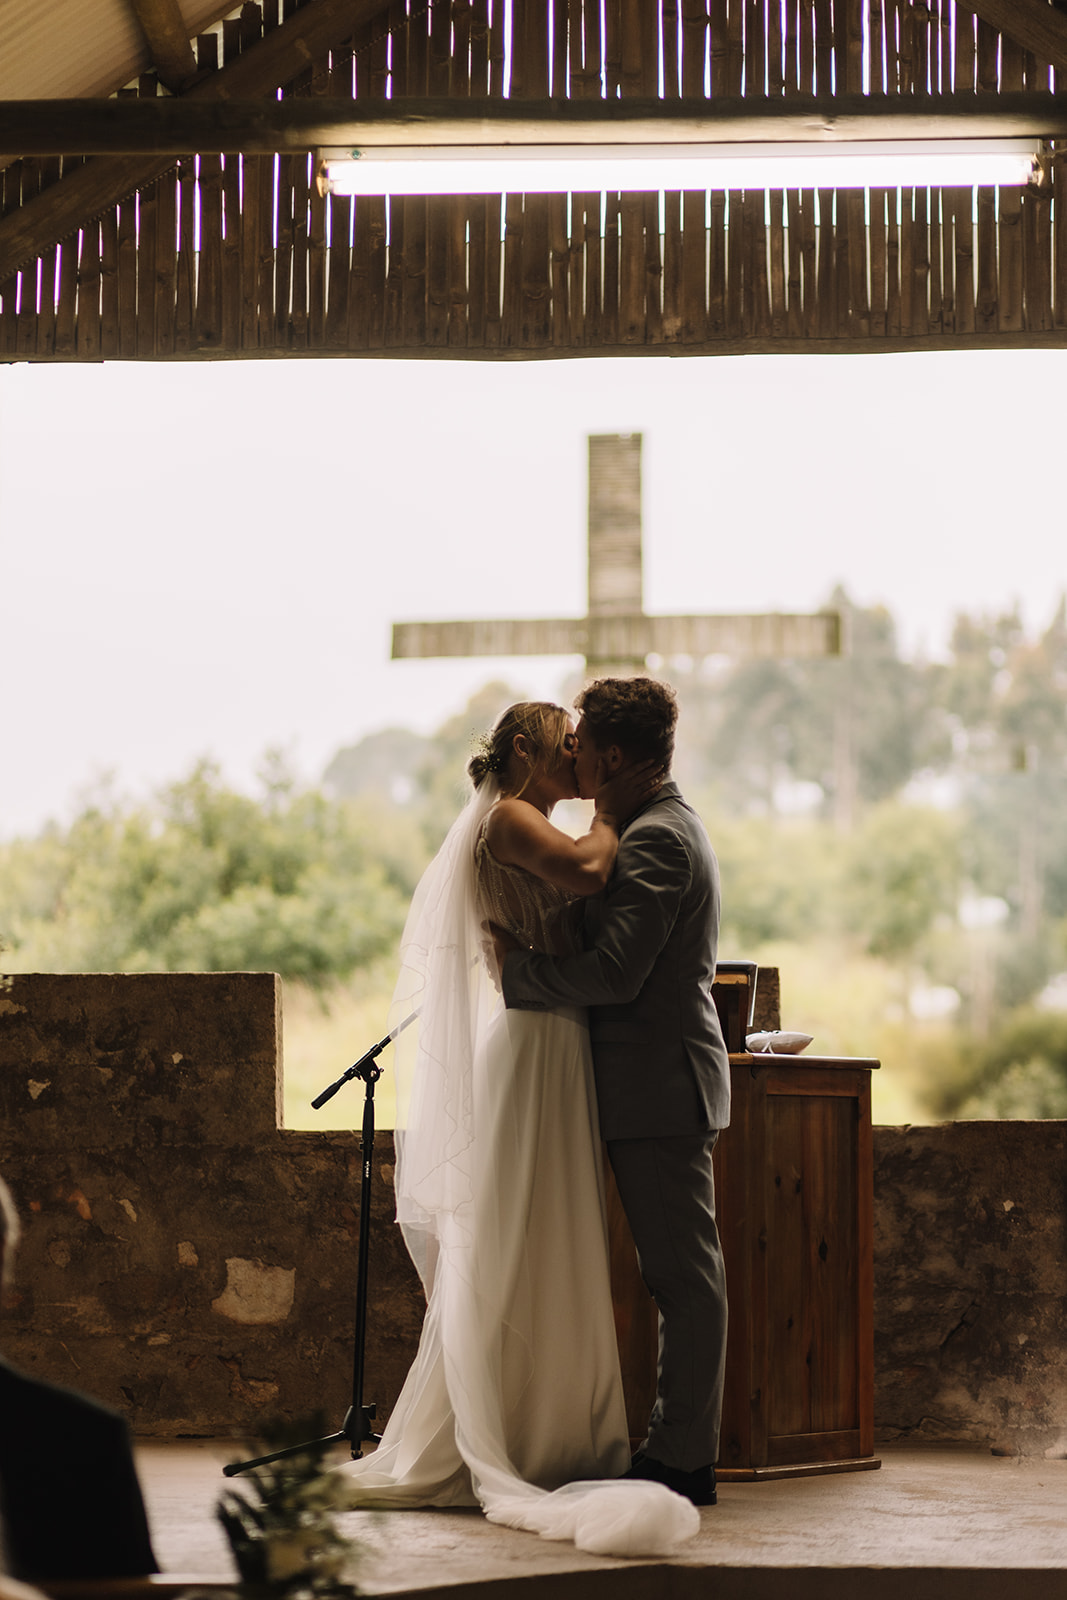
x,y
658,1052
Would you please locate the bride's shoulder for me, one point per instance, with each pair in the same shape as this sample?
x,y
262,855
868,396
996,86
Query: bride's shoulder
x,y
508,809
507,825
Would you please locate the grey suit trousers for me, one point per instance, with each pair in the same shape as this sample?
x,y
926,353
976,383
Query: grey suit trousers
x,y
668,1193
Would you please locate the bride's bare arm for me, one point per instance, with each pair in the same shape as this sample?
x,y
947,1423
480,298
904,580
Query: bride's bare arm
x,y
520,835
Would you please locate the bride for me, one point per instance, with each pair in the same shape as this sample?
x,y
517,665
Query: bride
x,y
514,1401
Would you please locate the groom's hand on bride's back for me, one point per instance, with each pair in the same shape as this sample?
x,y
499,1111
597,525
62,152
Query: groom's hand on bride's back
x,y
503,942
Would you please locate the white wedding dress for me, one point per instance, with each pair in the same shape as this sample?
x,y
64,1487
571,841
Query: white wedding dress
x,y
514,1401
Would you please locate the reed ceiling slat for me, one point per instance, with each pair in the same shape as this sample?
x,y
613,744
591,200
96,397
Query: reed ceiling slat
x,y
1059,267
109,284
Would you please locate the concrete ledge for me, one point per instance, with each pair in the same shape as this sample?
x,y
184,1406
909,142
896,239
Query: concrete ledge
x,y
936,1523
769,1583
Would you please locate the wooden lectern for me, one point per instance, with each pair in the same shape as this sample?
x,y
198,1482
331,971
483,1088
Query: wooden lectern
x,y
794,1190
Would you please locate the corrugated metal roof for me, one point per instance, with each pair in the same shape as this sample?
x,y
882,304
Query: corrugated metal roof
x,y
57,49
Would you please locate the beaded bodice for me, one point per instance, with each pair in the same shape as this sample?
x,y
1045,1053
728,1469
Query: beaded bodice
x,y
538,914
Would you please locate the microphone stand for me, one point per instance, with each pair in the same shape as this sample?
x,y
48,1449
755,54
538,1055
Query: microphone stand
x,y
356,1428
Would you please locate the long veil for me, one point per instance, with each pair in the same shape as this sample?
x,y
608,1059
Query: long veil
x,y
459,1238
444,977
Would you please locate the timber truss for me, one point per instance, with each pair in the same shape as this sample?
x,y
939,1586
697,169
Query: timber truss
x,y
181,219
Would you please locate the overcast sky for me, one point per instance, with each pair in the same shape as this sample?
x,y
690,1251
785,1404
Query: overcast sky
x,y
206,559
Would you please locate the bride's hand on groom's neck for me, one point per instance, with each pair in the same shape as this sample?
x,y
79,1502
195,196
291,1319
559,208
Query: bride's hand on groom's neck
x,y
625,790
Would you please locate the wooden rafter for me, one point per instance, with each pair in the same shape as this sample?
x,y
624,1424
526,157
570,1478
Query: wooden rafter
x,y
1031,23
171,126
89,190
168,43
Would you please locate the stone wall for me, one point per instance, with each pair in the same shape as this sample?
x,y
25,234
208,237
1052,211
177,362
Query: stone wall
x,y
183,1257
193,1263
971,1283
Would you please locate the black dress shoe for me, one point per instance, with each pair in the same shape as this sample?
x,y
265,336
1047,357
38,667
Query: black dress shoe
x,y
698,1486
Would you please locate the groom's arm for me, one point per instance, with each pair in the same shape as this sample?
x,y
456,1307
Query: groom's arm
x,y
641,903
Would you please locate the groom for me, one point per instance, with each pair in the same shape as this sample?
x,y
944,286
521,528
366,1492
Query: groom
x,y
662,1071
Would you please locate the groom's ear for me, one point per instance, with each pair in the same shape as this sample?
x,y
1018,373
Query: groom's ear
x,y
613,759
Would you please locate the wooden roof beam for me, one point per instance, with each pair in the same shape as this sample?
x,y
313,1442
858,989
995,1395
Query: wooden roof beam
x,y
1034,24
92,189
171,53
171,126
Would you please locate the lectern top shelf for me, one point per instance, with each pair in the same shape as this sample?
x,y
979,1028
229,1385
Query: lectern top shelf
x,y
768,1058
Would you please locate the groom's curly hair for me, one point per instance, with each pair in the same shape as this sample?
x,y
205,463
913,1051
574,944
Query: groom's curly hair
x,y
638,714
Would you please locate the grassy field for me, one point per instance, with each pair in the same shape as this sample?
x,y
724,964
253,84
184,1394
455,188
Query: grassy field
x,y
322,1034
850,1004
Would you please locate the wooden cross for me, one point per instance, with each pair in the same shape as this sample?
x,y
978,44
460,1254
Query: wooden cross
x,y
616,636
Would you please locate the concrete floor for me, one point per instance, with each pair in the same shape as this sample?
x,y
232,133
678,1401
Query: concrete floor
x,y
935,1523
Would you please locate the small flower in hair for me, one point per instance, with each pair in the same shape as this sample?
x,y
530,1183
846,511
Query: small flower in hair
x,y
483,746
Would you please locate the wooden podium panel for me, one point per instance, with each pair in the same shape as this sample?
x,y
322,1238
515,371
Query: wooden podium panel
x,y
794,1192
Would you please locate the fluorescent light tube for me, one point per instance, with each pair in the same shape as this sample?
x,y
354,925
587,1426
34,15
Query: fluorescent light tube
x,y
578,169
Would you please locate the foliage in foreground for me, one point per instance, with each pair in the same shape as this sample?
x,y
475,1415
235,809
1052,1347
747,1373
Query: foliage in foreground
x,y
281,1529
205,879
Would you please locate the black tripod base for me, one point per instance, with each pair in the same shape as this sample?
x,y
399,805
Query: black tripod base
x,y
357,1431
356,1428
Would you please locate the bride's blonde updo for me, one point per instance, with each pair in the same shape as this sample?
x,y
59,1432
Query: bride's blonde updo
x,y
545,727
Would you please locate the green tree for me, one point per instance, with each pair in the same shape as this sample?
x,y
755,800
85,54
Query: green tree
x,y
385,764
901,873
1007,694
857,727
1019,1071
780,880
204,878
